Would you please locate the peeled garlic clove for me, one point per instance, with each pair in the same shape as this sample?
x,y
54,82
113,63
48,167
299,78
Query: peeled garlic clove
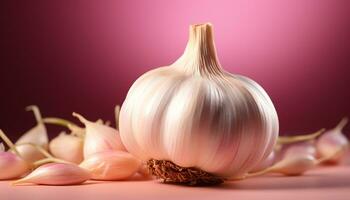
x,y
12,166
332,141
56,174
67,147
267,162
2,148
295,165
111,165
99,137
37,135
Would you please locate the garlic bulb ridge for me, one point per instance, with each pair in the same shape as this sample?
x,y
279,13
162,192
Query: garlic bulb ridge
x,y
195,114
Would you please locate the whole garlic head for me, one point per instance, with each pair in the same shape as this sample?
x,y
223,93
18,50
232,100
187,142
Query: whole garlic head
x,y
195,114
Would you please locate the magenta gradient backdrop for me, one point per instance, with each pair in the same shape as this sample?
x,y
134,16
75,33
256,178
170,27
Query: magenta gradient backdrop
x,y
84,55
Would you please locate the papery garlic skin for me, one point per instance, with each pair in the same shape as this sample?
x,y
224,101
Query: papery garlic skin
x,y
56,174
307,148
330,143
99,137
295,165
333,141
195,114
67,147
12,166
111,165
36,135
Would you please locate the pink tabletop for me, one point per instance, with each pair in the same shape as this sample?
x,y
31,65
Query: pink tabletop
x,y
321,183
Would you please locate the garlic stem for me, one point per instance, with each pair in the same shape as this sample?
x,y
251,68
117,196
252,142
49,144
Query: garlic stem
x,y
341,124
36,112
48,160
75,129
299,138
9,143
39,148
200,53
49,157
58,121
116,113
80,117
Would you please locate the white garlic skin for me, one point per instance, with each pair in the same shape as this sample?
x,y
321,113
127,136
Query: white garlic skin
x,y
36,135
295,165
67,147
330,143
56,174
12,166
307,147
111,165
333,142
195,114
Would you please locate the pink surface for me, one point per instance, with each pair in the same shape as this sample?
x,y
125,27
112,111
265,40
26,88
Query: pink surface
x,y
322,183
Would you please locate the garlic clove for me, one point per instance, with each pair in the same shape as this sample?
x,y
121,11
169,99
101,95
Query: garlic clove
x,y
333,141
307,147
111,165
2,148
267,162
37,135
12,166
99,137
295,165
56,174
67,147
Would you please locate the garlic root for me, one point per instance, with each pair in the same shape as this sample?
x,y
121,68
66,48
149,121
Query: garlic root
x,y
172,173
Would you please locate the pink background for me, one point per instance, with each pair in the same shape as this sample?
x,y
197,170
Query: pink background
x,y
84,55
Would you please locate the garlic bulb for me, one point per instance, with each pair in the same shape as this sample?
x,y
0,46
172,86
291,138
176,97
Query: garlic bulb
x,y
111,165
67,147
196,115
37,135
